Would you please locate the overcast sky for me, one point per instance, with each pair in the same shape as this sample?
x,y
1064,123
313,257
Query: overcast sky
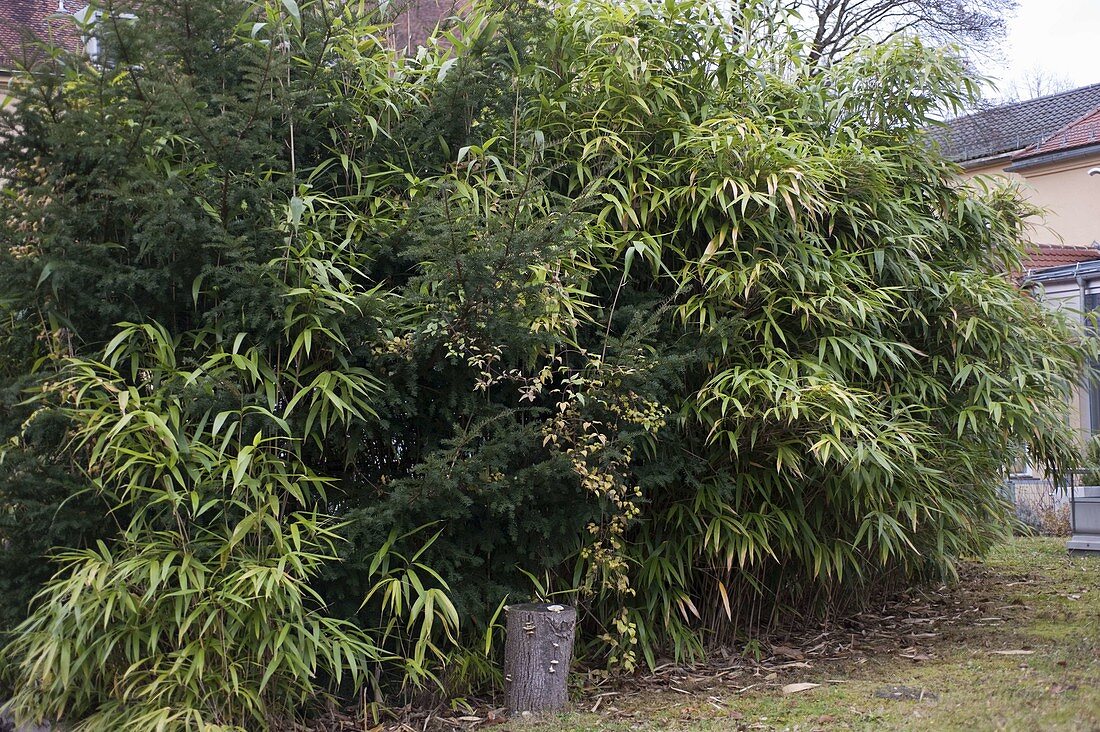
x,y
1059,37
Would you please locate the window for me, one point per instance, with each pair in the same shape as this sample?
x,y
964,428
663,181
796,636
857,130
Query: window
x,y
1092,377
91,24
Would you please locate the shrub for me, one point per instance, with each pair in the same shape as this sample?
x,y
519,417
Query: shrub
x,y
200,615
627,299
846,360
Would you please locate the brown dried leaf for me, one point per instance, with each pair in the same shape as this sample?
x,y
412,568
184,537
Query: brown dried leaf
x,y
788,652
795,688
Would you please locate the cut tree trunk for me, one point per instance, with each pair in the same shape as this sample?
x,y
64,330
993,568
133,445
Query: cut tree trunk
x,y
537,653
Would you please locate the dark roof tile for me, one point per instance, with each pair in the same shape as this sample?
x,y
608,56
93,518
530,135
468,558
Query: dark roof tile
x,y
1012,127
1081,132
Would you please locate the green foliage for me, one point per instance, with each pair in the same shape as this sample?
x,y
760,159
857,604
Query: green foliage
x,y
850,362
625,297
200,615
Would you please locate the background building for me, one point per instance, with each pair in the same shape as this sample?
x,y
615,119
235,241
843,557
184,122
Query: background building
x,y
1048,146
23,22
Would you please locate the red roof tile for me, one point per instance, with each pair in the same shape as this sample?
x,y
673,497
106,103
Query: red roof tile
x,y
1042,256
1081,132
22,21
417,19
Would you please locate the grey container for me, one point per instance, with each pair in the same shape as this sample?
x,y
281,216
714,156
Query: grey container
x,y
1085,520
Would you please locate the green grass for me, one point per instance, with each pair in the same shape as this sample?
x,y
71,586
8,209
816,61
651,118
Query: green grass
x,y
1040,599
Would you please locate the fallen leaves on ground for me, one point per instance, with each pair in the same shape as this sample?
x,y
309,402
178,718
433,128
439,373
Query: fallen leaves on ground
x,y
802,686
914,625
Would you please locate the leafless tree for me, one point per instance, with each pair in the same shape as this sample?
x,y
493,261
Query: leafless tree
x,y
1034,83
836,25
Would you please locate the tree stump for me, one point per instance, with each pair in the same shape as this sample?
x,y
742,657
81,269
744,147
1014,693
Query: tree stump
x,y
537,653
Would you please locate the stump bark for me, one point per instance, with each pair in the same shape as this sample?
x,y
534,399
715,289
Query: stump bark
x,y
537,653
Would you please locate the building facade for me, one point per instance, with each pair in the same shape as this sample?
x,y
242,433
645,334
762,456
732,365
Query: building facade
x,y
1047,146
23,23
1050,147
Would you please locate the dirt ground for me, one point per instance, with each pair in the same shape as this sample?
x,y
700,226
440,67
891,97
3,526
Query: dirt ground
x,y
1014,645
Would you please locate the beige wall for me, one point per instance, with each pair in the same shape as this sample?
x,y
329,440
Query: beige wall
x,y
995,169
1072,200
1070,197
5,88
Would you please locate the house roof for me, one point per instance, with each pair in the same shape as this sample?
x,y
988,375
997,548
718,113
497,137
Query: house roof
x,y
417,19
1043,256
1084,270
24,20
1081,132
1008,128
1079,138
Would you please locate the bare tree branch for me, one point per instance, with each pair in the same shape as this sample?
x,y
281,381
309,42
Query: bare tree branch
x,y
834,26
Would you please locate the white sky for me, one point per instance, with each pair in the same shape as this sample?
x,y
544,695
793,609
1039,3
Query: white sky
x,y
1058,37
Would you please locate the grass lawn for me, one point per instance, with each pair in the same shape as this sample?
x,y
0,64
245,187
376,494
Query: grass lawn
x,y
1014,646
